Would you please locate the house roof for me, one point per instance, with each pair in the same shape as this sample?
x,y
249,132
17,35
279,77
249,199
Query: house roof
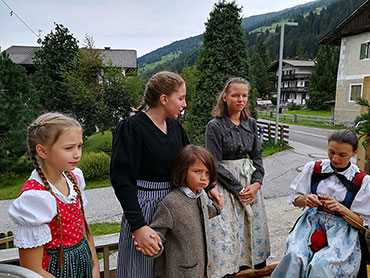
x,y
294,63
22,55
355,23
123,58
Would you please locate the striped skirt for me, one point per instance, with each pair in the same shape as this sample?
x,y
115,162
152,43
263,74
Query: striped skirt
x,y
132,263
77,261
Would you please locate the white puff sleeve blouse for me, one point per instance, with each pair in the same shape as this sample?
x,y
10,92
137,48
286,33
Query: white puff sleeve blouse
x,y
332,187
34,209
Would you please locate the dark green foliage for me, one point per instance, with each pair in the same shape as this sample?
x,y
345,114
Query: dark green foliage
x,y
99,95
56,55
258,75
224,55
99,142
322,86
363,123
19,106
95,166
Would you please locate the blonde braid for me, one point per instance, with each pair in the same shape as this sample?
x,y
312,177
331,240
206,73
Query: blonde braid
x,y
78,191
48,188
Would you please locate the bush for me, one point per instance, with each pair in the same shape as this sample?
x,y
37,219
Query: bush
x,y
294,106
99,142
95,166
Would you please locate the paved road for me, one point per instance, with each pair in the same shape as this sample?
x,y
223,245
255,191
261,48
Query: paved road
x,y
311,136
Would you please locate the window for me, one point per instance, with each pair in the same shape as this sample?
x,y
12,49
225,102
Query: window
x,y
365,50
355,91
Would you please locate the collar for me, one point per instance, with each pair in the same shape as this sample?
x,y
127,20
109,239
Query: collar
x,y
190,193
243,123
340,169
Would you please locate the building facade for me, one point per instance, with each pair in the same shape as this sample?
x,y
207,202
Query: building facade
x,y
353,36
294,81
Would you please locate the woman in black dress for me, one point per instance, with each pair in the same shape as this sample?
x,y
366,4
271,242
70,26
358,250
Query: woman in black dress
x,y
144,146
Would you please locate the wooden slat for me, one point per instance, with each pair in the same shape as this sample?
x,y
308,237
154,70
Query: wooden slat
x,y
250,273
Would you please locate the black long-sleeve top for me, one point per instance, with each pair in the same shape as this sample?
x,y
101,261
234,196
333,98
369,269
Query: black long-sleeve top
x,y
141,151
227,141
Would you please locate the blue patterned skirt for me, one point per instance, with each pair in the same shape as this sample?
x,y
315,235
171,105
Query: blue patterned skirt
x,y
132,263
239,236
341,258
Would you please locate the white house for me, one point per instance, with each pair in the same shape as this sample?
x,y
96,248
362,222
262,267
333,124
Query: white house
x,y
352,34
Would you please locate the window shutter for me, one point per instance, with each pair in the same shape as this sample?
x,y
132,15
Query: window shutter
x,y
363,51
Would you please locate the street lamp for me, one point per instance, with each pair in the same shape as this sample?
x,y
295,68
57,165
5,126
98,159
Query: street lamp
x,y
279,74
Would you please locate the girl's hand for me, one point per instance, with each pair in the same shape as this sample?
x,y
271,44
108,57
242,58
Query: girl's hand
x,y
307,200
332,204
144,238
248,194
217,197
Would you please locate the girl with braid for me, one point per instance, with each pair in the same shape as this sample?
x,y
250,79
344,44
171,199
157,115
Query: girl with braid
x,y
52,234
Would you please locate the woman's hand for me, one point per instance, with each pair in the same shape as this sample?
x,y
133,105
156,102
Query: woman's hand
x,y
217,197
147,241
307,200
332,204
248,194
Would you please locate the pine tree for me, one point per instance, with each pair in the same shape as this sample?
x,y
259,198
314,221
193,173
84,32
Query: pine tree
x,y
322,86
258,75
55,56
19,106
224,55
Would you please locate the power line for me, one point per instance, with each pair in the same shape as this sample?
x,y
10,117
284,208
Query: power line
x,y
13,12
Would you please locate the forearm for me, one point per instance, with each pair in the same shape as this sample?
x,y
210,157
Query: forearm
x,y
94,256
352,218
31,258
300,201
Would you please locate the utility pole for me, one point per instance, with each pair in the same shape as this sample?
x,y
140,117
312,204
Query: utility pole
x,y
279,75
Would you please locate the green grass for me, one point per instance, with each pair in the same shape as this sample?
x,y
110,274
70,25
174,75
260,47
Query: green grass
x,y
308,112
270,148
105,228
165,58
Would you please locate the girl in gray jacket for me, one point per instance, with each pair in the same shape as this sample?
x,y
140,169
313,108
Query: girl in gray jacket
x,y
181,218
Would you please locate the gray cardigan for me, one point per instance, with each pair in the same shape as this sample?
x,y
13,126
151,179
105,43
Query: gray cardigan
x,y
182,224
227,141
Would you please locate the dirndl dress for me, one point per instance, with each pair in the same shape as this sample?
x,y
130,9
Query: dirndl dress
x,y
239,236
340,258
132,263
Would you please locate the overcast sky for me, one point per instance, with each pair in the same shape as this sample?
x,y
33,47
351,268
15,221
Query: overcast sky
x,y
143,25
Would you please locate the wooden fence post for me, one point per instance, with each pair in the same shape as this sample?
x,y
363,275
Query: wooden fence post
x,y
281,132
10,243
3,245
269,130
294,118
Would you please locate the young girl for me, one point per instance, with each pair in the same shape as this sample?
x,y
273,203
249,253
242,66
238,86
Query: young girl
x,y
181,218
51,229
337,194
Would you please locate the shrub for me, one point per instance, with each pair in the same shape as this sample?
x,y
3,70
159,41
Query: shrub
x,y
95,166
294,106
99,142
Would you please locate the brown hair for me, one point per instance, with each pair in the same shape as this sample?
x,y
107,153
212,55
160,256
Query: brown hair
x,y
46,130
163,82
345,136
220,110
186,157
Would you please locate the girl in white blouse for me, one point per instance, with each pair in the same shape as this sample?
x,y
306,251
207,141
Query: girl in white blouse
x,y
51,233
325,240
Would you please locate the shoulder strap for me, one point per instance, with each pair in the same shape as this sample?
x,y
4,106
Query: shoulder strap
x,y
31,185
357,180
317,167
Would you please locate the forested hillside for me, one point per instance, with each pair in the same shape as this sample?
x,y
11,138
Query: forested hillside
x,y
300,42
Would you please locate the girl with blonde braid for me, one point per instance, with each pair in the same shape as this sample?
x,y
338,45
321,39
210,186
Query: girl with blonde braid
x,y
51,233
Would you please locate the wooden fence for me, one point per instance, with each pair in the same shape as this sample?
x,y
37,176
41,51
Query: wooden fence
x,y
267,131
297,118
106,243
6,240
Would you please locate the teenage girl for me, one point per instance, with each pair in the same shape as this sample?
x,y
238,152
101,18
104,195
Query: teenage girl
x,y
144,146
181,219
51,233
325,240
232,137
